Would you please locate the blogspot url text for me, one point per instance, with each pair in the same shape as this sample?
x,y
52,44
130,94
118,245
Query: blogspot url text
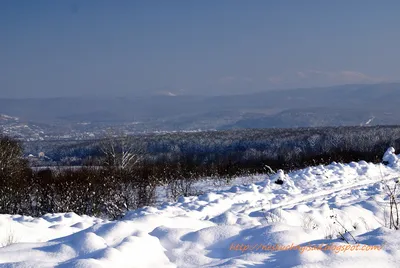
x,y
304,248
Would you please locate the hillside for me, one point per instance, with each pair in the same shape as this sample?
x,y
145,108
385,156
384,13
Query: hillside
x,y
346,105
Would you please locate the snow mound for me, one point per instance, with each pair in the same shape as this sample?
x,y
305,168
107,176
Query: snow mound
x,y
390,158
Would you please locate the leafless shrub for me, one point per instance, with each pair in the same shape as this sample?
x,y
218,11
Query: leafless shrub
x,y
181,187
393,213
344,232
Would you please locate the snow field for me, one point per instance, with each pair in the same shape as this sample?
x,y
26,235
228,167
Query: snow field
x,y
314,206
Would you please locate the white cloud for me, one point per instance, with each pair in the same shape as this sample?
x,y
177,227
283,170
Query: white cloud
x,y
175,92
352,75
321,78
344,76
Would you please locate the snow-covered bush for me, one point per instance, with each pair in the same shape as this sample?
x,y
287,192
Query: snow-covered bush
x,y
390,158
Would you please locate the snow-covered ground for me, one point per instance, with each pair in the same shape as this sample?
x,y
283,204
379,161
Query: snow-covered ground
x,y
244,226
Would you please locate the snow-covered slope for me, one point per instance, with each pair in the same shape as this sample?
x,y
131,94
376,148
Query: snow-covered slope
x,y
237,227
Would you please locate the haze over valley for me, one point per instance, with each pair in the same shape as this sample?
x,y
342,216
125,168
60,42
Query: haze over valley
x,y
344,105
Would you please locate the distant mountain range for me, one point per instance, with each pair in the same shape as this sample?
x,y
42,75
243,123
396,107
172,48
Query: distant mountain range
x,y
370,104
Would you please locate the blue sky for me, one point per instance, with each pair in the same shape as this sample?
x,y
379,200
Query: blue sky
x,y
121,48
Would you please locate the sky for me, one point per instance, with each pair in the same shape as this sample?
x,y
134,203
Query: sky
x,y
139,47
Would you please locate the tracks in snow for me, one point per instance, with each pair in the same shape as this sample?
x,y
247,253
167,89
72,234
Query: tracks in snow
x,y
324,193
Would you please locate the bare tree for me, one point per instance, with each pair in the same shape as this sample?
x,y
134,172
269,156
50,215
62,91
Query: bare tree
x,y
13,175
119,151
122,162
11,157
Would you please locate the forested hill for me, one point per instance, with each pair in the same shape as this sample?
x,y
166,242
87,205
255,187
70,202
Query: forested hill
x,y
254,145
